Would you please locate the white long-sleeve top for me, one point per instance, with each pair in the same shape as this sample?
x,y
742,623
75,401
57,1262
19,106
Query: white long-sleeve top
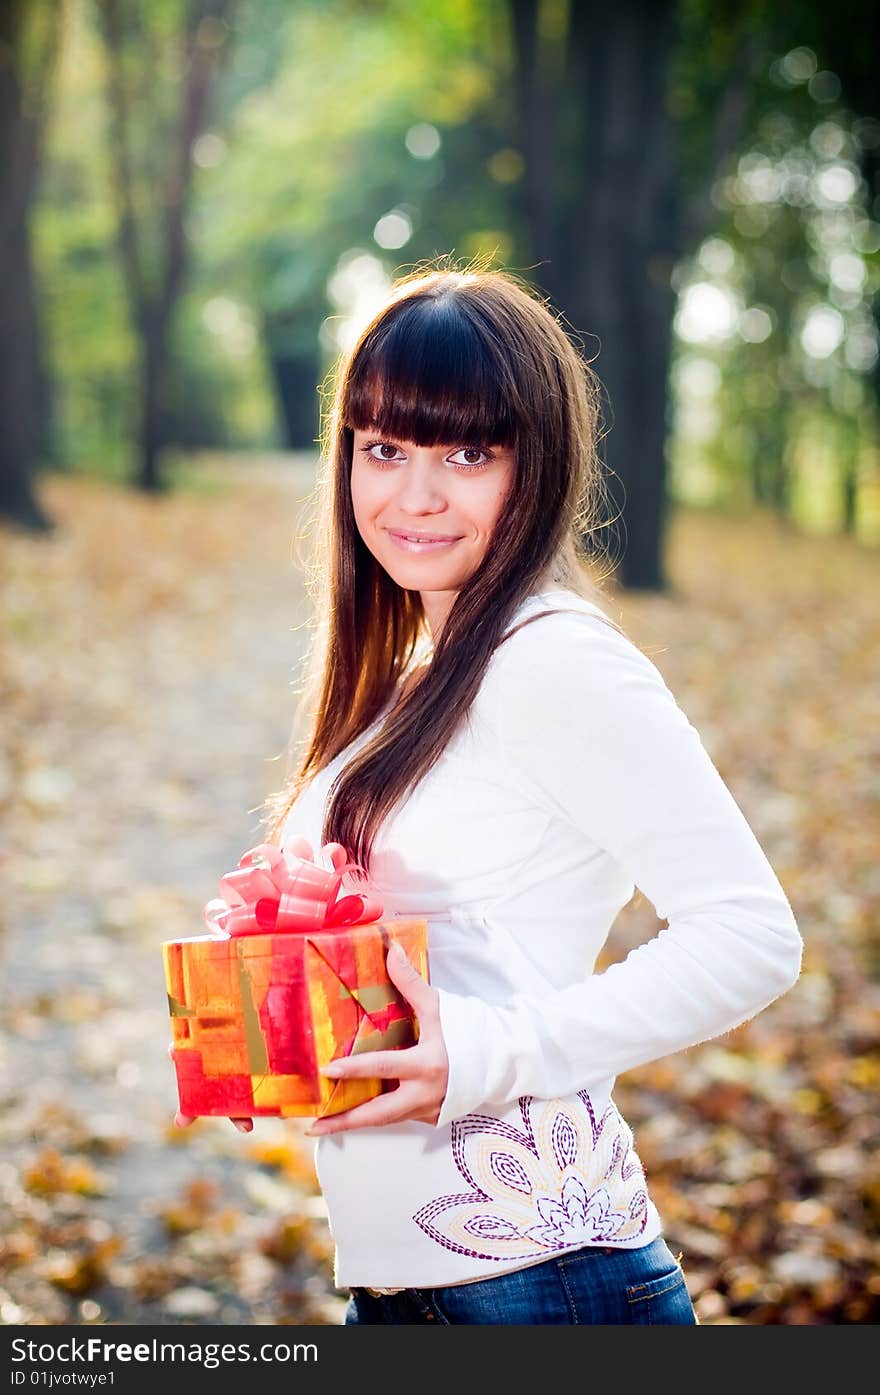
x,y
576,779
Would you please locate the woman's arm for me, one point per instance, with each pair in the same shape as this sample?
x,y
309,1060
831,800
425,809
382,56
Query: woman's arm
x,y
591,732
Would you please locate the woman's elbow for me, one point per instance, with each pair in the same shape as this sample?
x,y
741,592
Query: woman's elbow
x,y
788,949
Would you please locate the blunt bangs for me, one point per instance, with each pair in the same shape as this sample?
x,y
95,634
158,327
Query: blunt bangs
x,y
425,373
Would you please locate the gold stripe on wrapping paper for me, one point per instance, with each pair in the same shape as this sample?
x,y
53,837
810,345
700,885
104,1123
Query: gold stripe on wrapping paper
x,y
398,1034
178,1009
255,1044
336,1095
371,999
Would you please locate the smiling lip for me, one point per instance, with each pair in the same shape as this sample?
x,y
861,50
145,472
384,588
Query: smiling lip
x,y
422,542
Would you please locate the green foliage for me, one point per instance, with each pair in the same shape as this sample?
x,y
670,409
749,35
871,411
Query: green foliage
x,y
310,145
305,153
795,252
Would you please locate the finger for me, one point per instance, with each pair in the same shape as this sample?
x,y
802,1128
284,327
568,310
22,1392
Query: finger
x,y
337,855
374,1065
384,1109
407,979
298,846
183,1121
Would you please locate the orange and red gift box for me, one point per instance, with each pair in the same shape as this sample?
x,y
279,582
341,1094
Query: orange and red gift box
x,y
291,977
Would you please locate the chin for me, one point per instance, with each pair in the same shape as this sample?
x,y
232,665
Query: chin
x,y
421,578
425,568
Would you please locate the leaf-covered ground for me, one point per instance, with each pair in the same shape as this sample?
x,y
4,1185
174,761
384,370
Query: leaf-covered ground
x,y
149,656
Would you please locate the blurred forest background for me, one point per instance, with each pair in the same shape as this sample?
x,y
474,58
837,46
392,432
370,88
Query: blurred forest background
x,y
200,201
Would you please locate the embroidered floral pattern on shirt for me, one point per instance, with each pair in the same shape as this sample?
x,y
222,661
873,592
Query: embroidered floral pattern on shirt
x,y
561,1181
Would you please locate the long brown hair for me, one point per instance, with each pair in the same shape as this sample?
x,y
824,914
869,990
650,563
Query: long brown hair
x,y
462,355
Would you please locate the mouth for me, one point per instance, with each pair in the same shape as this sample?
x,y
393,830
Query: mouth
x,y
422,542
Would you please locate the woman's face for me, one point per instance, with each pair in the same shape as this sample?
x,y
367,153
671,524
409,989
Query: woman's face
x,y
407,497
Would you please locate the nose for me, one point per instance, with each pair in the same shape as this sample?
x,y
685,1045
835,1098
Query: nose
x,y
421,485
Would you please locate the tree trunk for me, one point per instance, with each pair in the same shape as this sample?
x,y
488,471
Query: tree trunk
x,y
850,500
154,291
848,451
151,432
296,378
18,391
769,441
48,447
21,130
620,244
537,120
780,491
608,223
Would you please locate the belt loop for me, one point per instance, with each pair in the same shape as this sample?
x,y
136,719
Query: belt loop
x,y
421,1298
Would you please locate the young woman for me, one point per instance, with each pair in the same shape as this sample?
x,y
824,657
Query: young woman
x,y
489,745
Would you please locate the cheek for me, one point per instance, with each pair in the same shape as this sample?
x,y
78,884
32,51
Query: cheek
x,y
493,505
367,494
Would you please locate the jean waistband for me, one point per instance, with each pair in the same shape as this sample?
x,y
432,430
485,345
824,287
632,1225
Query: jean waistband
x,y
480,1278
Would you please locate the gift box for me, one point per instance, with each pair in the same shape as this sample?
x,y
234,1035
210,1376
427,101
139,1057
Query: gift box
x,y
290,976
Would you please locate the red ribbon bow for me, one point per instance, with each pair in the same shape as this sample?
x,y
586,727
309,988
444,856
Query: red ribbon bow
x,y
287,889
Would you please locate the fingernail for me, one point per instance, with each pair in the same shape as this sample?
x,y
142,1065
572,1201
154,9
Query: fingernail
x,y
397,950
332,1068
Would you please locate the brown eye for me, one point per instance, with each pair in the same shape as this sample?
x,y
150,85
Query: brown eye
x,y
382,451
471,458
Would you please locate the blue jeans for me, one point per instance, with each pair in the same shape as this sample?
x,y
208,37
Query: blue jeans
x,y
596,1284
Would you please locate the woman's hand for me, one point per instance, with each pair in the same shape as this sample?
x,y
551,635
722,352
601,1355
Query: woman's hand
x,y
422,1070
183,1121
